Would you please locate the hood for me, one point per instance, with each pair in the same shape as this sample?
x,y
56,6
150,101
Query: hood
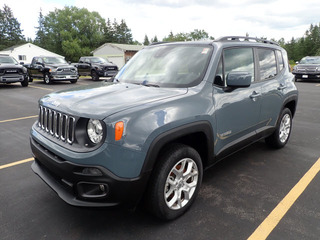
x,y
307,66
10,65
65,65
104,99
104,64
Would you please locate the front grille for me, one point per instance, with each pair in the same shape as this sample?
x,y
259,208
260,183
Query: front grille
x,y
57,124
111,68
13,71
66,70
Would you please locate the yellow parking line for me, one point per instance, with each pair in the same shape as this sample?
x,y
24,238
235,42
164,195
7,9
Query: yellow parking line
x,y
16,119
16,163
49,89
266,227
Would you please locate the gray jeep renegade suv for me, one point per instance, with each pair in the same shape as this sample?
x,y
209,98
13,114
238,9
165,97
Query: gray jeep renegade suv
x,y
174,110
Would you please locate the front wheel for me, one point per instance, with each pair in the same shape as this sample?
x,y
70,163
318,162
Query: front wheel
x,y
25,82
281,135
74,80
175,182
94,75
47,79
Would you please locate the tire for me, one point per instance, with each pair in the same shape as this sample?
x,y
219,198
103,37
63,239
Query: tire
x,y
281,135
173,189
25,82
74,80
46,78
94,75
30,79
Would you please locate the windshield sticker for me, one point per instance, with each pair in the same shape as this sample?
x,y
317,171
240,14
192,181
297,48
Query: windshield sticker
x,y
205,51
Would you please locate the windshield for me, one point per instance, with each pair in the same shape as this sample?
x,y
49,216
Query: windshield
x,y
8,59
310,60
54,60
178,65
98,60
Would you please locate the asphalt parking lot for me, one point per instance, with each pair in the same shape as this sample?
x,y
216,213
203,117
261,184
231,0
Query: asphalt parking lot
x,y
258,192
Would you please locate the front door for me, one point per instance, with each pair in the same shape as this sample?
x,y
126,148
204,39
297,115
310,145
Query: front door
x,y
237,110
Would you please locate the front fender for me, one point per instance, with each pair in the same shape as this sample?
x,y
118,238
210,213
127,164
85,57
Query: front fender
x,y
172,135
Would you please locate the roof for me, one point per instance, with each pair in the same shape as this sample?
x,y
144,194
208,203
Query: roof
x,y
14,47
123,47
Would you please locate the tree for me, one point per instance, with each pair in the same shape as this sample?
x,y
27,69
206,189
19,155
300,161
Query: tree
x,y
10,31
199,35
71,32
155,39
122,33
40,35
146,41
192,36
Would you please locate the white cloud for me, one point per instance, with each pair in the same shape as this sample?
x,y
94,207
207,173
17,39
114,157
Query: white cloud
x,y
272,19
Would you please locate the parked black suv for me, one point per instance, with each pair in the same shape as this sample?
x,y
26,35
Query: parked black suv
x,y
96,67
307,68
172,111
11,71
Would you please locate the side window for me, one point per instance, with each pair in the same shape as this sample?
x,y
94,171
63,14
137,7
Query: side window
x,y
34,60
267,63
280,60
239,60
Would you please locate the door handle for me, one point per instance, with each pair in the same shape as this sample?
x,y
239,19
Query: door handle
x,y
282,86
254,95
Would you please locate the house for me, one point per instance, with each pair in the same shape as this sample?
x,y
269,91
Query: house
x,y
25,52
119,54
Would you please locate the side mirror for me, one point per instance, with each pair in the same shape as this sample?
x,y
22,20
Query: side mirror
x,y
21,63
239,79
80,61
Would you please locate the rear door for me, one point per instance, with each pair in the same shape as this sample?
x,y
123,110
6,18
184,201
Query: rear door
x,y
237,109
271,70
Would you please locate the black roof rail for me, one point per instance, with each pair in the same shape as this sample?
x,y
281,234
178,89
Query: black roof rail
x,y
249,39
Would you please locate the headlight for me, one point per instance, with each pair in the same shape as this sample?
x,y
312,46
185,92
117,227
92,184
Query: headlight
x,y
95,131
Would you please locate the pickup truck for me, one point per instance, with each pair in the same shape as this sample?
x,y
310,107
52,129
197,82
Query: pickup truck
x,y
52,69
96,67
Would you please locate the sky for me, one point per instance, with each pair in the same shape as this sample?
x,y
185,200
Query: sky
x,y
273,19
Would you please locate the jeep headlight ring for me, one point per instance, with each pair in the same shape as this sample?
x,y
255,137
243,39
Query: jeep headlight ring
x,y
95,131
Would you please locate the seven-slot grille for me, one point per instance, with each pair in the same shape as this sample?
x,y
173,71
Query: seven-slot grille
x,y
59,125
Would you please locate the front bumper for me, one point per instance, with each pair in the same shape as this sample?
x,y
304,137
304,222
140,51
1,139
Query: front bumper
x,y
306,75
107,73
57,77
85,185
12,78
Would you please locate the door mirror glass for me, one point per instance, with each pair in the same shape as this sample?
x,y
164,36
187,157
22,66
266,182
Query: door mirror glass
x,y
239,79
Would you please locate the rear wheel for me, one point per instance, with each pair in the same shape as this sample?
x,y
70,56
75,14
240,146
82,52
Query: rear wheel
x,y
175,182
282,133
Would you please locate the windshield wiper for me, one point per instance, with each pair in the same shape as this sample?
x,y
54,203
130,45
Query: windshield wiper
x,y
150,85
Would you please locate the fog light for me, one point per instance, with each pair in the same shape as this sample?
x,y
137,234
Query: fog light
x,y
92,190
102,188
